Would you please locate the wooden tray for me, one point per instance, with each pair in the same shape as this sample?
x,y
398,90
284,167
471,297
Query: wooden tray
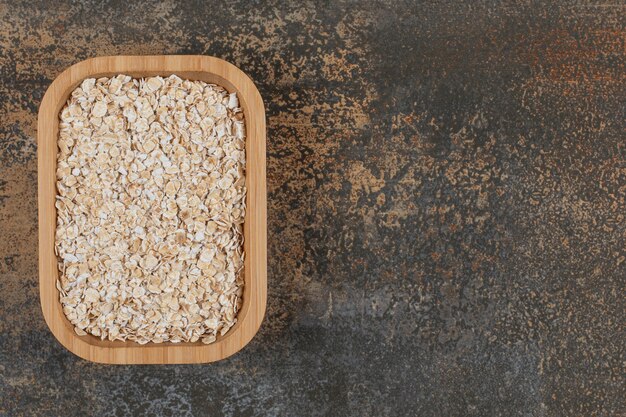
x,y
208,69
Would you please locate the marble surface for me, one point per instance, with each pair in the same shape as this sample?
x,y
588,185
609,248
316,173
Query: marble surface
x,y
446,194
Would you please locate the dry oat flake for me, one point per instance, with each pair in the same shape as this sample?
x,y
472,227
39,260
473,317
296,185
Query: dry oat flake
x,y
150,208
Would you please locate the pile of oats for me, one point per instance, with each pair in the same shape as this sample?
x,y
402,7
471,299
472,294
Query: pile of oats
x,y
150,209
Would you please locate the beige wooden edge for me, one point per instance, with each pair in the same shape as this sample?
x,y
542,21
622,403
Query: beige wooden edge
x,y
255,292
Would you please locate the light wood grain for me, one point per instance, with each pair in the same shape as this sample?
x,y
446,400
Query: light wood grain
x,y
209,69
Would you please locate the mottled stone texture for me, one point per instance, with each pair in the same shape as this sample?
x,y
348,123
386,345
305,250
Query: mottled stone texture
x,y
446,192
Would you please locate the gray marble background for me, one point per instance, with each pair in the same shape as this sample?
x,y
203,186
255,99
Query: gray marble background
x,y
446,193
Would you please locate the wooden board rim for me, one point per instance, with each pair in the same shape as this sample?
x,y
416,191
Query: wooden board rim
x,y
210,69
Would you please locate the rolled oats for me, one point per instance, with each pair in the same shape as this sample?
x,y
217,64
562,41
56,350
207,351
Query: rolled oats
x,y
150,209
